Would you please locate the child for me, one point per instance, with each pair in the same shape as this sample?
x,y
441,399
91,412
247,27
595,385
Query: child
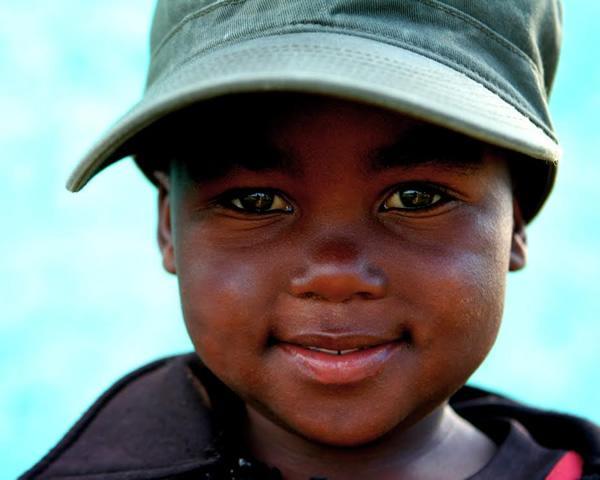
x,y
343,186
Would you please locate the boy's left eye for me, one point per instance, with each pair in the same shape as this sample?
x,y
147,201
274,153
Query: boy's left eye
x,y
256,201
414,197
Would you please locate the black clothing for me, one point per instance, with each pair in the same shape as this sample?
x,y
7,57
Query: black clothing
x,y
153,424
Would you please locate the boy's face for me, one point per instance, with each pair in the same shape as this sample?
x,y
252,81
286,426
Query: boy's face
x,y
349,227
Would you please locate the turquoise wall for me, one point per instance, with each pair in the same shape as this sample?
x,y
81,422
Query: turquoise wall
x,y
84,298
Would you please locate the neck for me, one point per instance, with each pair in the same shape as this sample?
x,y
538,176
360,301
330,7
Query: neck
x,y
430,447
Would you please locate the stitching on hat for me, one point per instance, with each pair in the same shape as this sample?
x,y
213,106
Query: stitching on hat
x,y
192,16
434,4
376,59
373,35
483,79
483,28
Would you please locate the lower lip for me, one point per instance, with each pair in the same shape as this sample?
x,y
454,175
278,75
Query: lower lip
x,y
340,369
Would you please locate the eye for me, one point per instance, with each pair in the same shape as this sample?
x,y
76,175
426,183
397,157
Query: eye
x,y
414,197
256,201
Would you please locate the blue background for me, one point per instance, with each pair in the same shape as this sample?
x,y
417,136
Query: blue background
x,y
82,292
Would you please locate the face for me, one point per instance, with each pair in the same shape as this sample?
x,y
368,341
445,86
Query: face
x,y
346,274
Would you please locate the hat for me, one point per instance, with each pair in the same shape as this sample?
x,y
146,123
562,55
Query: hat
x,y
483,69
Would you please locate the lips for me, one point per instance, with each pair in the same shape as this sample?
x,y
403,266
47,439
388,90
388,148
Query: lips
x,y
339,341
340,359
334,352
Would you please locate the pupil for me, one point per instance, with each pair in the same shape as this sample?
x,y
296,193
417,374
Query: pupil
x,y
416,198
257,201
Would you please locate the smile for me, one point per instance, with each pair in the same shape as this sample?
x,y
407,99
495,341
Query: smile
x,y
334,352
340,361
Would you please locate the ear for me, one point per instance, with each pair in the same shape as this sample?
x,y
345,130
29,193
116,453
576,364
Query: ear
x,y
165,230
518,247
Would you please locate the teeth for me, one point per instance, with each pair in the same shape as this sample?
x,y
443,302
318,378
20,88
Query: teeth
x,y
334,352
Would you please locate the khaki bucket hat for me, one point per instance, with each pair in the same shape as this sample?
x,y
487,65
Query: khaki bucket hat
x,y
480,68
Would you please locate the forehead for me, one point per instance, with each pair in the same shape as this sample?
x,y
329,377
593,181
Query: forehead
x,y
276,131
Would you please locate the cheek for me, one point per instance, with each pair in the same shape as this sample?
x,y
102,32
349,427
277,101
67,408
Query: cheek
x,y
474,270
452,283
225,300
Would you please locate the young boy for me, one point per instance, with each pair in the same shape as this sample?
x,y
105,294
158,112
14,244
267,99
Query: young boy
x,y
343,186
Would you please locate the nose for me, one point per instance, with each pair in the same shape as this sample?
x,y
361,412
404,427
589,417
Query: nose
x,y
336,271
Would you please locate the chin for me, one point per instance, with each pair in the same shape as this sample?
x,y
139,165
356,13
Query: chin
x,y
348,439
348,429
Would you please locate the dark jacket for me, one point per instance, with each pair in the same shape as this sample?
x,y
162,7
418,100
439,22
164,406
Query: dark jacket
x,y
153,424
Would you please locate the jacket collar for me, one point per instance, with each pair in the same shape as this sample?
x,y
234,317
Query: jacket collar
x,y
153,420
172,418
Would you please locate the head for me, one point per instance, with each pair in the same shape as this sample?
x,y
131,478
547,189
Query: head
x,y
327,224
300,226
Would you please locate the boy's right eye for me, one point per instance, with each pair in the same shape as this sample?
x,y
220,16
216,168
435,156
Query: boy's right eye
x,y
255,201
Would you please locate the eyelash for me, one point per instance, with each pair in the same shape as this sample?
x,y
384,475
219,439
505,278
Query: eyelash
x,y
234,199
419,189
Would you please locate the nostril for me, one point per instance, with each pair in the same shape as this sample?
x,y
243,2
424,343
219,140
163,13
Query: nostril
x,y
310,296
339,283
364,295
314,296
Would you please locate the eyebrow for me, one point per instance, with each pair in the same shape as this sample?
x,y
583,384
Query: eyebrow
x,y
429,145
418,145
249,154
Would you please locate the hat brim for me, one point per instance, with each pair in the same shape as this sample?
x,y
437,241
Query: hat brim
x,y
340,65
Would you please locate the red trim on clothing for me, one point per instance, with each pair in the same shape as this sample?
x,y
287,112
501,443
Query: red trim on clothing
x,y
569,467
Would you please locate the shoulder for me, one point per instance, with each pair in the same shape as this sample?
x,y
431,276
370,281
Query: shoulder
x,y
150,424
542,433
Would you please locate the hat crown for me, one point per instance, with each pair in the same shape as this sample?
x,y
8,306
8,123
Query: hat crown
x,y
510,46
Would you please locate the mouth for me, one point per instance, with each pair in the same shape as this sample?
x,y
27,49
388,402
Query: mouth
x,y
335,352
341,360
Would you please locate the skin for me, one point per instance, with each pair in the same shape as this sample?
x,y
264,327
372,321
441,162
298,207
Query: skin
x,y
339,256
